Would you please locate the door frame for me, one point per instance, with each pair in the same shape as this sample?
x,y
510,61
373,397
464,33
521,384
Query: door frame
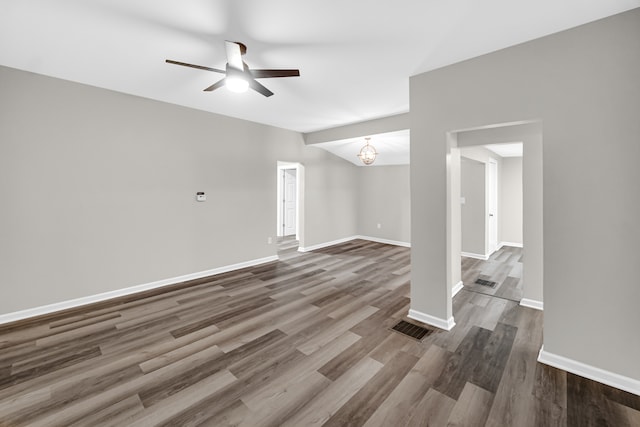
x,y
531,135
299,197
492,186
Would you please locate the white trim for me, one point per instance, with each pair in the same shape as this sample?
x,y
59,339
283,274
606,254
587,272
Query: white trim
x,y
281,166
348,239
513,244
63,305
532,303
385,241
456,288
447,325
325,244
591,372
476,256
490,191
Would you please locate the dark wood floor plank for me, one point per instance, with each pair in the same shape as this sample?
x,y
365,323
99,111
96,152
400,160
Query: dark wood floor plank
x,y
550,393
461,365
622,397
488,373
588,406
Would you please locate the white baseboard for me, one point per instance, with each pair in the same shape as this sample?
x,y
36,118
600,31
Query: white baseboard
x,y
456,288
347,239
447,324
531,303
515,245
476,256
591,372
385,241
63,305
325,244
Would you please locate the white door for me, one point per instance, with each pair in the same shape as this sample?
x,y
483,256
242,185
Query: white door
x,y
289,191
492,211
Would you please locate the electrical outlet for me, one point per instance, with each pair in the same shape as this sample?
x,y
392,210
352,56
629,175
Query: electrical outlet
x,y
269,240
379,225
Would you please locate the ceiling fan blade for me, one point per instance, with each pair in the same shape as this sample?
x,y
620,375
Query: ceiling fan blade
x,y
216,85
259,88
234,55
265,74
199,67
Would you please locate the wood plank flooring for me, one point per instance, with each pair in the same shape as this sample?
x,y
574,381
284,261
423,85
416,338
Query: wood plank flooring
x,y
299,342
504,267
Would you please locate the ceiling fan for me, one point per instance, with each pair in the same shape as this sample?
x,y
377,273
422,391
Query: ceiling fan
x,y
238,76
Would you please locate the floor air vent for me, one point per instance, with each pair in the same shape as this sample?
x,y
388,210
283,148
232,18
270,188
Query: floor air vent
x,y
488,283
413,331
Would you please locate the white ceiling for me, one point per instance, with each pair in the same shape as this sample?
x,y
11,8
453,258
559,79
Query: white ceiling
x,y
513,149
355,57
392,148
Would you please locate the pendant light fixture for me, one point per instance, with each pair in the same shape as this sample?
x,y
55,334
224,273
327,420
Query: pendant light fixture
x,y
367,153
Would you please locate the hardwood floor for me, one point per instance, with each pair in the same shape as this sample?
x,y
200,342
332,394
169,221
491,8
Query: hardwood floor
x,y
302,341
504,267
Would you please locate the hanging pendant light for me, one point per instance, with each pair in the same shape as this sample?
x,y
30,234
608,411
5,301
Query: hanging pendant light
x,y
367,153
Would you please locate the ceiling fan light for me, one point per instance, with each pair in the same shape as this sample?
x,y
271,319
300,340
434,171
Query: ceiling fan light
x,y
236,84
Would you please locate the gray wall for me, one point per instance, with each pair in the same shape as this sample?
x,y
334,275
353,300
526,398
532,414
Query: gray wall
x,y
583,85
510,200
384,199
98,190
473,211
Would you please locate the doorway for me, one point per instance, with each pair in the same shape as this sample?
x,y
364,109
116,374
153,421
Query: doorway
x,y
289,202
516,240
492,221
289,197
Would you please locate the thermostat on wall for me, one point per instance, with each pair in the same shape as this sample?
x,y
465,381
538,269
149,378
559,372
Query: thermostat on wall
x,y
200,196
